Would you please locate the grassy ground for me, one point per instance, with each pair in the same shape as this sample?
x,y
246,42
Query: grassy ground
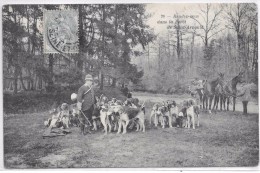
x,y
224,139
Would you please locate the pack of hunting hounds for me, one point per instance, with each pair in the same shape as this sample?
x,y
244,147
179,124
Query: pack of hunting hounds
x,y
116,115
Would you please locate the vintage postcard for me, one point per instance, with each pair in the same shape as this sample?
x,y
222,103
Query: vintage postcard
x,y
144,85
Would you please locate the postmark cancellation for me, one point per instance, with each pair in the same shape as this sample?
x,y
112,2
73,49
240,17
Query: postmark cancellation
x,y
60,31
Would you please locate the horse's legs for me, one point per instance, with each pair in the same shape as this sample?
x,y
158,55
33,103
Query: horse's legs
x,y
206,99
216,100
234,104
220,102
205,104
224,102
228,104
210,101
201,100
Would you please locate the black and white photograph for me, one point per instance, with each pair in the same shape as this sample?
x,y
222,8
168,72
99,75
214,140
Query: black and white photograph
x,y
121,85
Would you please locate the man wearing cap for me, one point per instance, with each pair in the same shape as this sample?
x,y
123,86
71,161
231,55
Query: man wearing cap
x,y
85,102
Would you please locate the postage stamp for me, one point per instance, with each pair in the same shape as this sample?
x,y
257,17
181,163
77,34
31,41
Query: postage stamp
x,y
60,31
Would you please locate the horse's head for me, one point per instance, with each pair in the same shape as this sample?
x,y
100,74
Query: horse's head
x,y
204,83
220,79
241,77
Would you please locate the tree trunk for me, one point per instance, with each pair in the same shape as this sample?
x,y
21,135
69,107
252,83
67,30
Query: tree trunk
x,y
159,57
178,41
35,82
51,61
40,82
255,54
126,48
148,57
191,49
15,79
81,40
103,46
242,53
10,87
115,40
113,82
34,33
28,27
101,80
31,81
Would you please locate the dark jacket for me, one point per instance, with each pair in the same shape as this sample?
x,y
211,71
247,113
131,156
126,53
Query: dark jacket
x,y
86,96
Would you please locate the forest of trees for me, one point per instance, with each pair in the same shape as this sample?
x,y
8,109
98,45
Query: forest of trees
x,y
227,43
108,37
107,34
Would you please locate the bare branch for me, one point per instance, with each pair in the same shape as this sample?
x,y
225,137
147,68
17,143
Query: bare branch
x,y
199,23
214,19
216,32
201,9
232,19
229,27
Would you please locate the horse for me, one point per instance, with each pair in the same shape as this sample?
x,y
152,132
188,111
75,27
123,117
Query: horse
x,y
209,89
206,90
220,97
230,89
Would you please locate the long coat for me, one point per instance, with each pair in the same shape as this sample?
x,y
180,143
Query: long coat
x,y
86,96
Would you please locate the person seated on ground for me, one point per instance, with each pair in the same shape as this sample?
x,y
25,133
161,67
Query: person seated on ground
x,y
59,117
53,121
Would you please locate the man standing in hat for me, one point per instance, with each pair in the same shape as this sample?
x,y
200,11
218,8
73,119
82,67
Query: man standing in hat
x,y
86,100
